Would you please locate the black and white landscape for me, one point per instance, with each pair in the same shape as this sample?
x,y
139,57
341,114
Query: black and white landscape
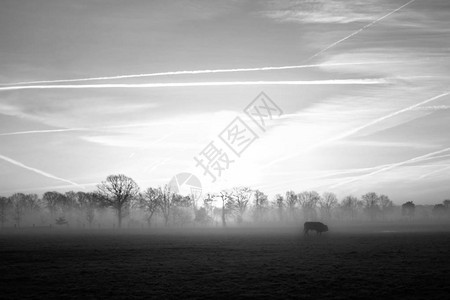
x,y
224,149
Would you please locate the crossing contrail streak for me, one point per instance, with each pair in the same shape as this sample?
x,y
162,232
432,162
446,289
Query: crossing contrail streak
x,y
198,84
274,186
392,166
359,128
19,164
193,72
359,30
434,172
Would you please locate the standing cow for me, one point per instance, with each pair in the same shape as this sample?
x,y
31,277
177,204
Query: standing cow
x,y
318,227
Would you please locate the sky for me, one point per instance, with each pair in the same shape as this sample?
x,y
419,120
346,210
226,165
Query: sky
x,y
364,95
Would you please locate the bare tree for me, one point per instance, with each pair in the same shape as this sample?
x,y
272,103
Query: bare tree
x,y
240,200
5,206
225,196
208,201
69,203
408,209
118,191
279,204
149,202
52,201
439,210
350,204
308,202
327,203
261,202
371,203
386,205
165,202
446,203
19,205
88,203
291,201
182,212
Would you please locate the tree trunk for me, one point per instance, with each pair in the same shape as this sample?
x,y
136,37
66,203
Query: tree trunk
x,y
166,219
119,217
224,223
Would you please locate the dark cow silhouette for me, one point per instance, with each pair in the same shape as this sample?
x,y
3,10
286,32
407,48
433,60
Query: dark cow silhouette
x,y
318,227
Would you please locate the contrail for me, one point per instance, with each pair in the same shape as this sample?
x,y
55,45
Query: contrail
x,y
435,171
42,131
19,164
193,72
357,129
359,30
343,172
391,167
197,84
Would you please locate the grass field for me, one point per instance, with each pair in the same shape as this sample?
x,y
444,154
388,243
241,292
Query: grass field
x,y
229,263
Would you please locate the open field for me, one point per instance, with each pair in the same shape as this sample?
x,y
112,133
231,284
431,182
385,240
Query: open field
x,y
228,263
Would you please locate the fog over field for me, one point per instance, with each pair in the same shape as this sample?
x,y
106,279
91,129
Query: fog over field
x,y
178,149
119,203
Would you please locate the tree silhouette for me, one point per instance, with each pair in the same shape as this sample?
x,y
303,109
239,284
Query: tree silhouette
x,y
385,205
439,210
291,201
209,207
308,202
261,202
240,200
118,191
148,201
19,205
53,202
88,203
279,204
327,203
5,206
225,196
166,202
408,209
371,202
349,204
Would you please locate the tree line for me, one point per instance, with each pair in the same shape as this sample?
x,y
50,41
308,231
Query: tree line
x,y
119,197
